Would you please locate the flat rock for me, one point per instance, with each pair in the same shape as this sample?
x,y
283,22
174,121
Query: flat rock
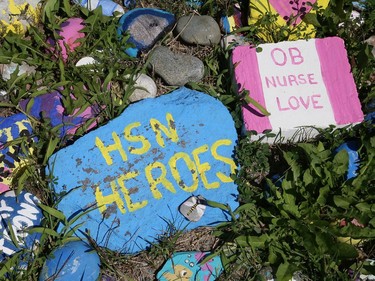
x,y
145,26
302,84
50,106
72,261
18,212
12,128
176,69
137,170
189,266
17,15
144,87
202,30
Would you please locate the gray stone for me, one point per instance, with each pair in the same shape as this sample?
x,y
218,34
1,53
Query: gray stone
x,y
371,42
176,69
202,30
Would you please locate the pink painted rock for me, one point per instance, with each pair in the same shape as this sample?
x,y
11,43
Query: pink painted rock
x,y
300,83
70,33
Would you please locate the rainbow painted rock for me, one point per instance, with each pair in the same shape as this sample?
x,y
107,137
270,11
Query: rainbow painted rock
x,y
18,213
302,84
132,174
17,15
289,12
72,261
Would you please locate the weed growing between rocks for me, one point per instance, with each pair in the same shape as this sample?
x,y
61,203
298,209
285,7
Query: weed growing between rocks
x,y
299,212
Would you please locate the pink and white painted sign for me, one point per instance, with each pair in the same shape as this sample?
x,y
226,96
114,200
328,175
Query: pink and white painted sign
x,y
301,83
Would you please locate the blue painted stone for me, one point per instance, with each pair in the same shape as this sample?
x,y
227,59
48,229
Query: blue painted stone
x,y
187,266
108,7
72,261
49,106
130,4
145,26
351,147
18,213
140,177
11,128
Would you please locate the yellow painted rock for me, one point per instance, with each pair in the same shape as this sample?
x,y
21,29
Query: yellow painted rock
x,y
17,15
289,13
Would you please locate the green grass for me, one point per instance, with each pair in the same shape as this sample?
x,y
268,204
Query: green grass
x,y
288,228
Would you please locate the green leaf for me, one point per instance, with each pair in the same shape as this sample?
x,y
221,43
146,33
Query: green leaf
x,y
252,241
345,251
44,230
341,201
285,272
53,212
340,162
312,19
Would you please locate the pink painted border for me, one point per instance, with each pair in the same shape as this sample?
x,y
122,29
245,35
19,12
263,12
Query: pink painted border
x,y
338,80
248,77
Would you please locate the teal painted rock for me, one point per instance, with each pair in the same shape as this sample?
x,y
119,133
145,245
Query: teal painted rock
x,y
134,173
72,261
188,266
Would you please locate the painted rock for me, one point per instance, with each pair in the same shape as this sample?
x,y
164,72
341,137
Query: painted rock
x,y
86,61
195,29
70,33
194,3
137,170
130,4
145,26
108,7
144,87
300,84
18,213
176,69
289,12
72,261
233,22
50,106
12,128
187,266
17,15
352,148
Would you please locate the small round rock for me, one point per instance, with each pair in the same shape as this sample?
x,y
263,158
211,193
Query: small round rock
x,y
72,261
144,87
201,30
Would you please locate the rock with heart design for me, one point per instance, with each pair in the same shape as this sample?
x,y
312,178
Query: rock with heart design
x,y
145,26
127,179
18,214
301,84
288,13
176,69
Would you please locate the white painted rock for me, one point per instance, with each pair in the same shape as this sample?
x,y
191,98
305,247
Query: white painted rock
x,y
86,61
145,88
72,261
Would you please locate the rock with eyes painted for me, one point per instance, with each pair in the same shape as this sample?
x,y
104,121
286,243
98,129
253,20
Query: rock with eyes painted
x,y
187,266
134,173
17,214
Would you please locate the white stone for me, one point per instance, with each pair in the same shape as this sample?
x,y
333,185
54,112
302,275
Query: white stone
x,y
144,86
86,61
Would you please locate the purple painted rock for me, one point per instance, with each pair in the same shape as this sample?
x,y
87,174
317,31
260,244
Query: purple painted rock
x,y
17,215
50,106
188,266
300,83
72,261
145,26
136,171
12,128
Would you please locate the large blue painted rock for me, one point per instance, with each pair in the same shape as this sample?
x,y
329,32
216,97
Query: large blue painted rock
x,y
11,128
188,266
140,167
145,26
49,106
72,261
17,215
